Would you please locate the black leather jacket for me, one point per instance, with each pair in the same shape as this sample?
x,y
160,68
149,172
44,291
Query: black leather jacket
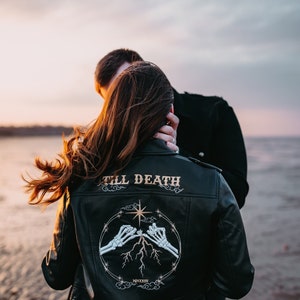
x,y
209,130
165,228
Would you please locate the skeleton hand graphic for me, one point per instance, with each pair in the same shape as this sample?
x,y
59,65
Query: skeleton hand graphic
x,y
125,234
158,236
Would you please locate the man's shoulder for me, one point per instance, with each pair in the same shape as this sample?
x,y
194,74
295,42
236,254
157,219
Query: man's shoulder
x,y
200,97
191,102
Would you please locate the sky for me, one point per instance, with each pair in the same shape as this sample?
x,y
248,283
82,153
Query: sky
x,y
247,52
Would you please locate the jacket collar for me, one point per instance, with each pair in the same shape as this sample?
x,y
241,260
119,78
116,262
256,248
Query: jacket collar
x,y
154,147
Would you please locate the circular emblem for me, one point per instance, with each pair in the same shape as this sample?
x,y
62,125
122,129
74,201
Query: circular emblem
x,y
139,247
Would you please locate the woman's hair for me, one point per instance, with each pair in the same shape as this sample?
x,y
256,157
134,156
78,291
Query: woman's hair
x,y
107,67
137,103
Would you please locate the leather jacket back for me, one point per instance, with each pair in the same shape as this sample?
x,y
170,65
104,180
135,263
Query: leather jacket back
x,y
165,228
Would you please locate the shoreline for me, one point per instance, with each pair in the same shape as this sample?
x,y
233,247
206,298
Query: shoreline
x,y
34,130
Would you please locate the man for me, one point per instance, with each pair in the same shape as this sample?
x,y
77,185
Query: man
x,y
205,128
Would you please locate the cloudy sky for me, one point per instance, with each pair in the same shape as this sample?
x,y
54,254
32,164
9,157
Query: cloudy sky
x,y
244,51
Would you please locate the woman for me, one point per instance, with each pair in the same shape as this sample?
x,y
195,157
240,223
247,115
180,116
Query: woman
x,y
136,220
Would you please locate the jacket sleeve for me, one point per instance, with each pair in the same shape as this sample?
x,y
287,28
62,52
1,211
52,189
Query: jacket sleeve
x,y
229,153
233,272
60,262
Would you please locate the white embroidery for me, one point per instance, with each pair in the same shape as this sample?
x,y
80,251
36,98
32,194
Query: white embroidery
x,y
144,244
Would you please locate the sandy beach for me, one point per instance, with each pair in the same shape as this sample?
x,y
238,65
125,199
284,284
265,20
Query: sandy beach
x,y
271,217
21,253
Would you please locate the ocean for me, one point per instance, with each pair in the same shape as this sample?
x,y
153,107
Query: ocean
x,y
271,218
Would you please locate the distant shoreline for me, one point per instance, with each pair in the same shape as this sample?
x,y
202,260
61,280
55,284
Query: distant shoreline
x,y
59,130
35,130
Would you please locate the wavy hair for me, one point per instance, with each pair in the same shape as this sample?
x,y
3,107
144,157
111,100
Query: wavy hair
x,y
137,103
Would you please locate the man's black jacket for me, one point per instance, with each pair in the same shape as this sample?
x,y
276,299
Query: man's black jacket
x,y
209,131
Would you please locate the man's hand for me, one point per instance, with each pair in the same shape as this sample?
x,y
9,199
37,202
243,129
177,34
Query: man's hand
x,y
168,132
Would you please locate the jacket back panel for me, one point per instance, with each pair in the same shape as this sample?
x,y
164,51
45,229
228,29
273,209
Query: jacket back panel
x,y
149,229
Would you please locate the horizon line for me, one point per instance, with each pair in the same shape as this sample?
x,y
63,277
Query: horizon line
x,y
54,129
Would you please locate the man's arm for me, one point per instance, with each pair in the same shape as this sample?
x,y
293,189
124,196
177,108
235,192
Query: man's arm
x,y
229,152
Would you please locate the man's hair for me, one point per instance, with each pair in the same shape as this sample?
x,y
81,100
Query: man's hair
x,y
107,67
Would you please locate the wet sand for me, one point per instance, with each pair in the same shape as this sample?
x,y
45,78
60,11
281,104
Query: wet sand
x,y
24,239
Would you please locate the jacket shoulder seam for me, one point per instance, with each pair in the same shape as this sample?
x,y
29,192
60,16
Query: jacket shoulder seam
x,y
204,164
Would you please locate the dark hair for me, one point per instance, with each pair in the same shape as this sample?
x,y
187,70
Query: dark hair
x,y
138,101
110,63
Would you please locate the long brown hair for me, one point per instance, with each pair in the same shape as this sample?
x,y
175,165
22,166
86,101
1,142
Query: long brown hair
x,y
137,103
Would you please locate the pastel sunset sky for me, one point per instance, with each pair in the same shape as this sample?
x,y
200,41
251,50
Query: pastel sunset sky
x,y
247,52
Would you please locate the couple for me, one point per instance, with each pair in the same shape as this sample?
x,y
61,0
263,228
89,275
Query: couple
x,y
175,233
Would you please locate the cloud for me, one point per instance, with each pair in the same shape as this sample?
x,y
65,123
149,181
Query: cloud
x,y
242,32
27,9
246,52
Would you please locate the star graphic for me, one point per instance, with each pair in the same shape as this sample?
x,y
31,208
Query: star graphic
x,y
139,212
